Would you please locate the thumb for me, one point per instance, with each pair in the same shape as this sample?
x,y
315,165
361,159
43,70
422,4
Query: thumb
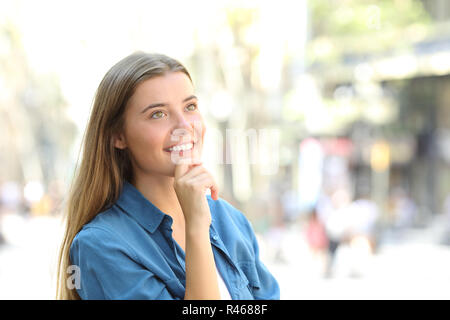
x,y
180,169
183,167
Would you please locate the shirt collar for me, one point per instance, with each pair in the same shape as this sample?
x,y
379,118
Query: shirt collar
x,y
138,207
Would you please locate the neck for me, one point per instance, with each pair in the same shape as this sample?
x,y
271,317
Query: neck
x,y
160,192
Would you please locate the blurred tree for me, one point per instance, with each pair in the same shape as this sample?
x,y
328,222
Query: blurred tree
x,y
363,26
360,17
36,132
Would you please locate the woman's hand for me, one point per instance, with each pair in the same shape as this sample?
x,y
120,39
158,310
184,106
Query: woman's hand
x,y
191,182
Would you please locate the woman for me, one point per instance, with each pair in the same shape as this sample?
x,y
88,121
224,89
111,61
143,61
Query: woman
x,y
139,224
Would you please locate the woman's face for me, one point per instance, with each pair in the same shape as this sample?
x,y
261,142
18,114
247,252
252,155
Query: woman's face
x,y
162,113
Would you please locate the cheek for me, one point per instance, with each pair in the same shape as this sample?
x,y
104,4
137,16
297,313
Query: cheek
x,y
203,132
201,139
144,140
199,127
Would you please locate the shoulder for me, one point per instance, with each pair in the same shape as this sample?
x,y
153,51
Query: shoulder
x,y
228,219
102,235
109,219
92,234
222,210
112,222
92,239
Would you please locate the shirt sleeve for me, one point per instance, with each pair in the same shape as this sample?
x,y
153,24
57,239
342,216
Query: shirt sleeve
x,y
265,286
268,286
110,270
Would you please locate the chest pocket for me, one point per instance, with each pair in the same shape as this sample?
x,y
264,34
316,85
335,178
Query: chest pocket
x,y
250,272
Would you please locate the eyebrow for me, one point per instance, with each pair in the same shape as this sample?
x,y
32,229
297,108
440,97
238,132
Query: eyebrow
x,y
160,104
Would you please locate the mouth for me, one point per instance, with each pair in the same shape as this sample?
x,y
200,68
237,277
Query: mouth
x,y
181,147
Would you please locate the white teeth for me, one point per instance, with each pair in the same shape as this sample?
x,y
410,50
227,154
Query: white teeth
x,y
182,147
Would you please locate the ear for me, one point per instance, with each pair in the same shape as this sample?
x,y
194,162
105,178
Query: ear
x,y
119,141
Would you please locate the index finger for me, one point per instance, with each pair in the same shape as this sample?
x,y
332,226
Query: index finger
x,y
184,167
214,192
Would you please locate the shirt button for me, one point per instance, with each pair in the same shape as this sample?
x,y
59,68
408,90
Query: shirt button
x,y
215,237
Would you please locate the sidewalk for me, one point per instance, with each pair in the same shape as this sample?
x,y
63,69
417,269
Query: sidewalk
x,y
28,259
413,267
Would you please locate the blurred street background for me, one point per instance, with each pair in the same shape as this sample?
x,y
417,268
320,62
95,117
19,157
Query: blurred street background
x,y
341,159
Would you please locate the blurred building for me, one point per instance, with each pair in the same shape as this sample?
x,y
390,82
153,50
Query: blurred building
x,y
390,83
36,132
366,80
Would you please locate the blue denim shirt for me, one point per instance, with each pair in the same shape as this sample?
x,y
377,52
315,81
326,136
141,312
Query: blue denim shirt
x,y
127,252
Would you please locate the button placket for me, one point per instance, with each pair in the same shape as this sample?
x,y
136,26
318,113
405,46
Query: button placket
x,y
235,274
167,227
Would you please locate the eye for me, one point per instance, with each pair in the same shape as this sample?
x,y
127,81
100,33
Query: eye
x,y
191,107
157,115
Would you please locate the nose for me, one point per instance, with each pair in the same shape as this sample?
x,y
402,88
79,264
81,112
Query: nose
x,y
182,122
182,128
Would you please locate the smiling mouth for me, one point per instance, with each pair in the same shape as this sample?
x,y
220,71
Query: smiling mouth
x,y
181,147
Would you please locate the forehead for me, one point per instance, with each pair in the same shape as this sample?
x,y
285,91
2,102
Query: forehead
x,y
170,87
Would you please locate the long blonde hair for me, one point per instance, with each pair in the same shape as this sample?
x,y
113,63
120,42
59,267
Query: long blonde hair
x,y
99,179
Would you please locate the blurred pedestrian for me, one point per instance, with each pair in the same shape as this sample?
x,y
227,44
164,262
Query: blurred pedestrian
x,y
404,209
333,212
10,200
363,216
317,239
446,217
